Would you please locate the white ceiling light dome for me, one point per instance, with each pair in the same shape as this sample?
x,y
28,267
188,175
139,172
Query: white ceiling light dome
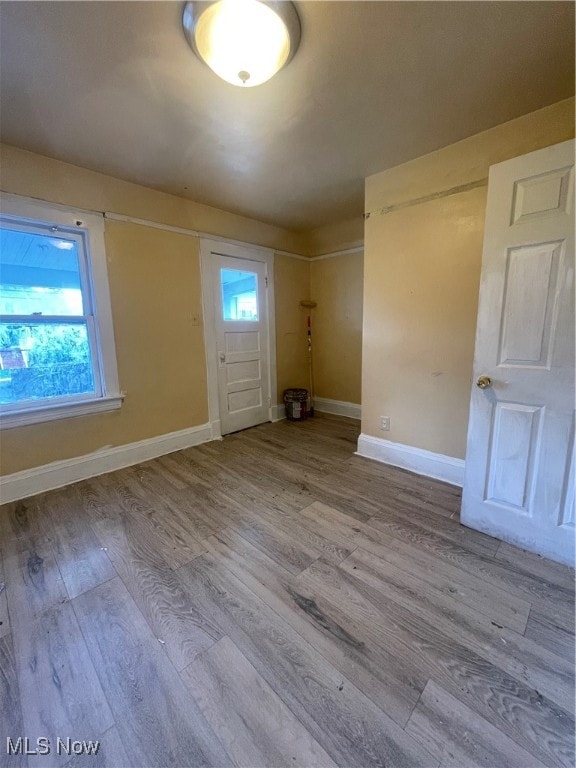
x,y
245,42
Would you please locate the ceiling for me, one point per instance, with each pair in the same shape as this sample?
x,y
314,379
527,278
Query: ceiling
x,y
113,86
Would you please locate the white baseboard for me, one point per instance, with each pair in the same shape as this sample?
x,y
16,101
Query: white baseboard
x,y
278,412
324,405
418,460
216,427
338,407
29,482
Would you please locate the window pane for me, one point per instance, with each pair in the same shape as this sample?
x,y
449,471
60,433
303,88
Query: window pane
x,y
39,274
44,360
239,294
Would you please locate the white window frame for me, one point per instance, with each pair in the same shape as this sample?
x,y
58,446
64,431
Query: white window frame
x,y
87,229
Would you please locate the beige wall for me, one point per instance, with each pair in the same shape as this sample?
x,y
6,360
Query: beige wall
x,y
340,236
26,173
155,288
154,280
421,275
291,286
336,285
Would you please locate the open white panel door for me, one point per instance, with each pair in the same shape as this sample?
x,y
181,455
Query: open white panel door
x,y
519,479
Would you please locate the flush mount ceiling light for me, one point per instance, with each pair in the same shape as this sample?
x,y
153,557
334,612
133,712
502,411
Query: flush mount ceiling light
x,y
245,42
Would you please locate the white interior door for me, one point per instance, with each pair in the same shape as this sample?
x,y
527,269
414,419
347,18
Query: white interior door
x,y
241,324
519,479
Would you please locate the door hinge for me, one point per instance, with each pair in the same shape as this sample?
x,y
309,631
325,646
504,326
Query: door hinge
x,y
266,281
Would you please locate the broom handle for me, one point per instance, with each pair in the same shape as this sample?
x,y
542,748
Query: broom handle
x,y
310,368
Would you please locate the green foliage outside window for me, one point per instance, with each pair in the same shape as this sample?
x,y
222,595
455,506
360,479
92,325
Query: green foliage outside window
x,y
58,361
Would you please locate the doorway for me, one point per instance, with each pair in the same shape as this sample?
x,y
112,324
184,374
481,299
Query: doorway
x,y
239,334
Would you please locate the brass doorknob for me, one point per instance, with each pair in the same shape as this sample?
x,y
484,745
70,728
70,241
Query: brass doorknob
x,y
484,382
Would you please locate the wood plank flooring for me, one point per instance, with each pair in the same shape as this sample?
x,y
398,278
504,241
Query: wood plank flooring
x,y
272,600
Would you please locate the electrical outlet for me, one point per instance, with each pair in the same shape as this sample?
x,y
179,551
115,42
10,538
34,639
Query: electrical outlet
x,y
385,423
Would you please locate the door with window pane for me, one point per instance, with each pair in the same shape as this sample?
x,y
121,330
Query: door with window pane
x,y
242,342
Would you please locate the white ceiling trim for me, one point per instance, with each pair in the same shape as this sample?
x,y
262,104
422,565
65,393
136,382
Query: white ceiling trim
x,y
111,216
240,243
26,200
147,223
427,198
189,232
346,252
293,255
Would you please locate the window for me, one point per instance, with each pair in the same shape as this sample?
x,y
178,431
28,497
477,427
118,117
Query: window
x,y
239,294
57,353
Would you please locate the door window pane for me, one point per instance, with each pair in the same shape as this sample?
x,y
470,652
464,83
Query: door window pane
x,y
40,274
239,294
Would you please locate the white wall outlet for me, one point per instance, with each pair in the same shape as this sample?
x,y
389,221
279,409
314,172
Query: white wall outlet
x,y
385,423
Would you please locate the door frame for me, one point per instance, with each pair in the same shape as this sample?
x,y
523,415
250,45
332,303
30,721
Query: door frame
x,y
210,247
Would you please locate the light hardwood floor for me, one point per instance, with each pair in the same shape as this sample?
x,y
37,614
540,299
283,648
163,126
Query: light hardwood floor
x,y
274,600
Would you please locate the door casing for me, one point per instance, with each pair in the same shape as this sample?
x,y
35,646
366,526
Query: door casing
x,y
209,247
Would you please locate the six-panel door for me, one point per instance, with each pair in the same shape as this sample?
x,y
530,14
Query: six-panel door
x,y
519,479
